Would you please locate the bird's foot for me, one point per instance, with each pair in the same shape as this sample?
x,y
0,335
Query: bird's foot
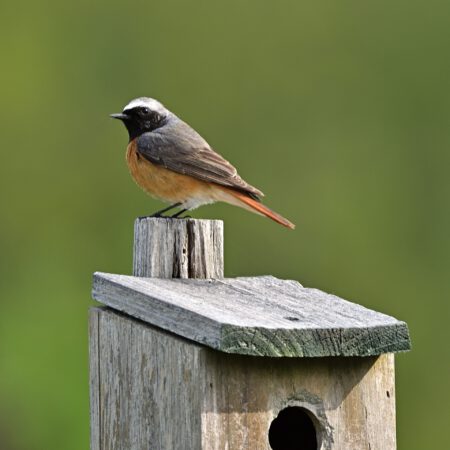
x,y
160,213
152,216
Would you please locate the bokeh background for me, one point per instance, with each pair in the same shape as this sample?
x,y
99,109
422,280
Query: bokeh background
x,y
338,111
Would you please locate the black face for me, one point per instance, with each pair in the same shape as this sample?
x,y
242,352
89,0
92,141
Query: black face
x,y
140,120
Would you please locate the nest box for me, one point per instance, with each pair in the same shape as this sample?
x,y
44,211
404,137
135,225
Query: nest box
x,y
184,359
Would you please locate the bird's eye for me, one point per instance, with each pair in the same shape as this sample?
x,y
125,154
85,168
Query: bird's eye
x,y
145,110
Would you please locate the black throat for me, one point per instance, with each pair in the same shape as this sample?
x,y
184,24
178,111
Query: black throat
x,y
135,129
142,120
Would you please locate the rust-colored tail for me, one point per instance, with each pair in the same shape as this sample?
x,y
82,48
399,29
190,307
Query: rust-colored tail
x,y
256,206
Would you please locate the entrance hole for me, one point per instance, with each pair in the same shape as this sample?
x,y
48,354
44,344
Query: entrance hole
x,y
293,429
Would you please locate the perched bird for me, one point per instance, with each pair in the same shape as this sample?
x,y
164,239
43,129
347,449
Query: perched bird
x,y
170,161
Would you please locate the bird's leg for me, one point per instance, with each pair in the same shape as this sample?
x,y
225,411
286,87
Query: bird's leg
x,y
181,211
159,213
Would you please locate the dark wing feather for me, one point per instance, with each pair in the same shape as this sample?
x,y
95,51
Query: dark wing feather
x,y
182,150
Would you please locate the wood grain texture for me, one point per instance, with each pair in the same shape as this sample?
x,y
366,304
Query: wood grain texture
x,y
149,396
161,392
178,248
347,398
262,316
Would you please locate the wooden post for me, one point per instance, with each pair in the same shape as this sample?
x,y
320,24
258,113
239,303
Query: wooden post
x,y
201,370
178,248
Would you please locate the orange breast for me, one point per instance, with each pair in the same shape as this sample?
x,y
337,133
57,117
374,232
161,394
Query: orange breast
x,y
160,182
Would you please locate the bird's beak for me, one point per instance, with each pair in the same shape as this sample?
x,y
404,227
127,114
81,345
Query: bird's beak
x,y
120,116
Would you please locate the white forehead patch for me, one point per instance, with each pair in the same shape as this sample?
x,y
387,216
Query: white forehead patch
x,y
148,102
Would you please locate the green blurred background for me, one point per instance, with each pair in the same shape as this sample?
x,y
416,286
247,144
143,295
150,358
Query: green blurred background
x,y
338,111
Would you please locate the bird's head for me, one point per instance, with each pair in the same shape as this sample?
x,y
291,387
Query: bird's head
x,y
142,115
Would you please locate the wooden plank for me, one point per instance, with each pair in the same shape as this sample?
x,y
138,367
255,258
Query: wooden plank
x,y
162,392
178,248
351,400
262,316
149,394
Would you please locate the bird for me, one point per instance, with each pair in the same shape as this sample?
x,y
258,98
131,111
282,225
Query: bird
x,y
170,161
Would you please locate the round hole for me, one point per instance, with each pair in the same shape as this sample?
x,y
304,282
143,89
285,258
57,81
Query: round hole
x,y
293,429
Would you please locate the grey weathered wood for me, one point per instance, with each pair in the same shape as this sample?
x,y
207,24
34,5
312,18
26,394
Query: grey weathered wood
x,y
178,248
161,392
149,399
151,389
255,315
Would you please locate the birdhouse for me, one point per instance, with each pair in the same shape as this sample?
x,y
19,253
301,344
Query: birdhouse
x,y
184,359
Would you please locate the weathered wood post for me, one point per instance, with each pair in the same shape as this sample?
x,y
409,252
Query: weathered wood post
x,y
190,360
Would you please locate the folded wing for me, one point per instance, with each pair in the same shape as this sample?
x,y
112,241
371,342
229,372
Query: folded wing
x,y
184,151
